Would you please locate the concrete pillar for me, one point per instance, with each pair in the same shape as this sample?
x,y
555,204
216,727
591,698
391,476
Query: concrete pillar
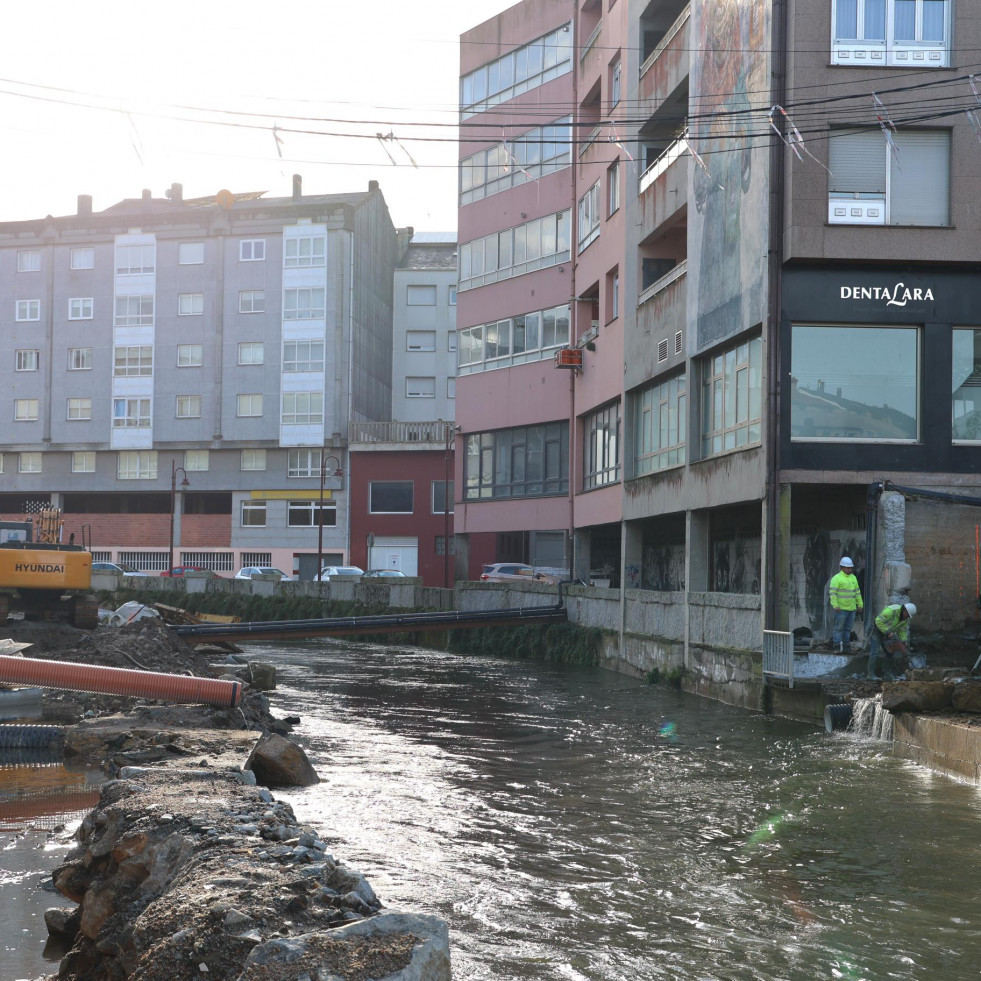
x,y
781,575
633,555
461,562
697,551
897,576
582,555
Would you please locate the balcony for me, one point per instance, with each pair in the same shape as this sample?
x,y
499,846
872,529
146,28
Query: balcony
x,y
663,191
437,431
592,57
666,67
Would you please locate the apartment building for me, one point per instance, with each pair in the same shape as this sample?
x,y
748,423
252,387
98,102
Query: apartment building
x,y
797,271
194,365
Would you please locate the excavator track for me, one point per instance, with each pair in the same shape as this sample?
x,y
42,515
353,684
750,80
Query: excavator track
x,y
85,612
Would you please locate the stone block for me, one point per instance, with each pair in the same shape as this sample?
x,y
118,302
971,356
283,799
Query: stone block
x,y
916,696
967,696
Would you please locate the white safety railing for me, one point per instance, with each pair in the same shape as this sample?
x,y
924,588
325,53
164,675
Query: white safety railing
x,y
778,655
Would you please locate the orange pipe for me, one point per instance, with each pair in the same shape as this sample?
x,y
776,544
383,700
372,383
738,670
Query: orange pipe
x,y
179,688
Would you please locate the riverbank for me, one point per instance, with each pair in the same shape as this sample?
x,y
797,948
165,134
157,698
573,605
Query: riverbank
x,y
189,869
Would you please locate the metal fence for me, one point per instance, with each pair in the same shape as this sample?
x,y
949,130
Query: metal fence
x,y
778,655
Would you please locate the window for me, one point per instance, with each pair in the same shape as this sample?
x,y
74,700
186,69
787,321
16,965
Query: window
x,y
451,341
135,360
441,545
731,394
420,340
29,463
529,337
452,296
190,304
135,259
80,408
26,410
904,33
28,310
253,514
613,188
137,465
249,405
529,461
612,298
29,260
966,385
190,253
869,185
303,356
252,301
303,408
1,463
442,491
601,449
196,459
82,258
660,425
26,360
390,496
420,388
131,413
451,388
589,216
190,355
253,460
83,461
188,406
526,157
303,304
303,514
252,250
133,311
80,359
251,352
80,308
615,76
420,296
302,252
303,463
872,394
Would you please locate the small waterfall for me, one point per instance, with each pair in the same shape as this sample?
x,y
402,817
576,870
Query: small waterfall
x,y
870,719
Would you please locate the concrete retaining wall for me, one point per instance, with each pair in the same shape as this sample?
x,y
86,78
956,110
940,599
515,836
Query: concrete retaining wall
x,y
940,744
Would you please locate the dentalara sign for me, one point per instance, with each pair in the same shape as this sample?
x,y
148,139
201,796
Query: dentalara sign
x,y
891,296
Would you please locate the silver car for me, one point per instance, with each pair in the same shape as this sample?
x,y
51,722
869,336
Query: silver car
x,y
251,571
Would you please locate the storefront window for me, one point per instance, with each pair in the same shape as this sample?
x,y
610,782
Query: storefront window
x,y
854,383
965,386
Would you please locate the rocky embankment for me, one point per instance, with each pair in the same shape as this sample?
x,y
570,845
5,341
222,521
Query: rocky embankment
x,y
189,868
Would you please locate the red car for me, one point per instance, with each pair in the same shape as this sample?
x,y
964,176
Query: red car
x,y
180,570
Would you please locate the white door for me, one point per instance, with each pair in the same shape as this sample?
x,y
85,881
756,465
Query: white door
x,y
401,552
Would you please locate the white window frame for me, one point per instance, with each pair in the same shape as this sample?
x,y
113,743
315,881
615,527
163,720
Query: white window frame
x,y
131,413
304,252
28,260
615,84
79,409
81,308
588,226
133,311
255,510
303,356
303,463
613,188
136,465
30,462
420,340
305,303
451,387
27,359
720,392
28,310
872,52
190,304
83,461
302,408
132,360
252,301
82,257
420,295
26,410
188,407
420,387
252,459
80,359
251,352
136,260
190,253
190,355
305,514
248,406
451,297
197,460
252,250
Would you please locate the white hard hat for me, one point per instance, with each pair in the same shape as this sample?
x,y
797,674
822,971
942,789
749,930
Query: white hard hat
x,y
846,563
910,609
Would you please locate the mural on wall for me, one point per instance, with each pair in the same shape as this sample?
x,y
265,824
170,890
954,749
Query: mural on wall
x,y
728,229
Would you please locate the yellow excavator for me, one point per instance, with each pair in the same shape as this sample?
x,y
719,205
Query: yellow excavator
x,y
43,576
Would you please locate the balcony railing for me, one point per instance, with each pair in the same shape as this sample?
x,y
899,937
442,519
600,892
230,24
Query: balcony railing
x,y
662,163
590,41
590,138
437,431
666,40
659,285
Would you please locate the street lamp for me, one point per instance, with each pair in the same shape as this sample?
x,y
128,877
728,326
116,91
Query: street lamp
x,y
174,470
338,472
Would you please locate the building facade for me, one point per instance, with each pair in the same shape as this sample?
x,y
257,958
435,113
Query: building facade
x,y
194,365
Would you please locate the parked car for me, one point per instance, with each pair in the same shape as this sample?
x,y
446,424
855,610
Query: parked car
x,y
384,574
507,572
181,570
251,571
122,568
338,570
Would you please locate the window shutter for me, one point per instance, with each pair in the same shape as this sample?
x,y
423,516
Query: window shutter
x,y
857,161
662,351
919,188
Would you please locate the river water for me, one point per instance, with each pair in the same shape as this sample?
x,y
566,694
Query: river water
x,y
570,823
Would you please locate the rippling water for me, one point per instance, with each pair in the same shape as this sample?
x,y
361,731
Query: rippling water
x,y
570,823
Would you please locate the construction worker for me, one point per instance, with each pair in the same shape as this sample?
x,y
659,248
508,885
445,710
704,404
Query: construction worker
x,y
846,601
889,642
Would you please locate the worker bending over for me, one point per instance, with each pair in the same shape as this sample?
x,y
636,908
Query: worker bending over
x,y
889,642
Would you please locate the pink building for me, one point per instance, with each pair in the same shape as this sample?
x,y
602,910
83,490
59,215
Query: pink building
x,y
541,243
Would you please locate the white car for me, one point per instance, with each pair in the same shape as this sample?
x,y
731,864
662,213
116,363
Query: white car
x,y
120,568
329,571
251,571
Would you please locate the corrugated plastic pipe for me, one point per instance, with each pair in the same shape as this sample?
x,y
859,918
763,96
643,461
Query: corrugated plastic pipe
x,y
178,688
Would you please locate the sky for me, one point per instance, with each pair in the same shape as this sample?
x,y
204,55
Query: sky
x,y
111,97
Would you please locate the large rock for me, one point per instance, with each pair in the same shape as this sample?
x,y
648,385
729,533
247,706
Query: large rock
x,y
917,696
276,762
967,696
